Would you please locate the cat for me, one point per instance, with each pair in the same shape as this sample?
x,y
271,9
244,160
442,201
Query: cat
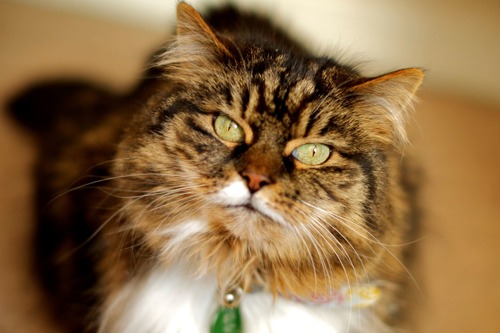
x,y
244,184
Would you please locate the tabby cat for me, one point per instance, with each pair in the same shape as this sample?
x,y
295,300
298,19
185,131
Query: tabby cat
x,y
244,184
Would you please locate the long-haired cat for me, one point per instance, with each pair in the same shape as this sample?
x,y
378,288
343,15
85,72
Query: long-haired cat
x,y
245,184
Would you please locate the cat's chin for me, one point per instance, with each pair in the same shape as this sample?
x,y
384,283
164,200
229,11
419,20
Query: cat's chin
x,y
249,223
246,219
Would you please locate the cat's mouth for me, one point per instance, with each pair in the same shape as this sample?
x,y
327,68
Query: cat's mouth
x,y
236,196
261,209
250,207
247,207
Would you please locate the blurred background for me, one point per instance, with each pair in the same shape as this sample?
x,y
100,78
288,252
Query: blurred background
x,y
456,133
458,41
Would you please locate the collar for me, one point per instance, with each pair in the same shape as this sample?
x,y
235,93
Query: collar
x,y
228,317
348,296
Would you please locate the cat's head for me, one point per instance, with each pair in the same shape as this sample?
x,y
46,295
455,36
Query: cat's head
x,y
262,164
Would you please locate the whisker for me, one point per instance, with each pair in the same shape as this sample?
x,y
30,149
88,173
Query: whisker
x,y
371,238
316,224
356,275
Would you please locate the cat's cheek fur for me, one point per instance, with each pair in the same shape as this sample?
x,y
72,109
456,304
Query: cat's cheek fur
x,y
172,300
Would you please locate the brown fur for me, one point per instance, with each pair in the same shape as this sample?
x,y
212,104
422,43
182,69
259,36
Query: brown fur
x,y
345,219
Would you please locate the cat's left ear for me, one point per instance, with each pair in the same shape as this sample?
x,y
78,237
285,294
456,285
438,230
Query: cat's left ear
x,y
386,101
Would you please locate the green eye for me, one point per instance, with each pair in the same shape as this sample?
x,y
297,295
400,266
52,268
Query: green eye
x,y
312,153
227,129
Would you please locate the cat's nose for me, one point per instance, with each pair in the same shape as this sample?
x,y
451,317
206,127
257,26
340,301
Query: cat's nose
x,y
255,180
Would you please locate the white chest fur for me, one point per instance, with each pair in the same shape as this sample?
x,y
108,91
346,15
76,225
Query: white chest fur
x,y
169,301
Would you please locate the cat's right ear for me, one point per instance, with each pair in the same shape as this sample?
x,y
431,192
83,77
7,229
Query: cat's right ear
x,y
194,30
196,49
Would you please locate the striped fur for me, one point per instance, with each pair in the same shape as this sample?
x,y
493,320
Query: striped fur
x,y
175,193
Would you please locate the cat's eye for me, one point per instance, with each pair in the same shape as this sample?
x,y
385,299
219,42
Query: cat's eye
x,y
312,153
228,130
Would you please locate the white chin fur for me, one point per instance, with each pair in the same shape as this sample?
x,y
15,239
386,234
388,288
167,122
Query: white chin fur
x,y
171,300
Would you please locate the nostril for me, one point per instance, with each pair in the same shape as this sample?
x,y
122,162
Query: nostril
x,y
255,181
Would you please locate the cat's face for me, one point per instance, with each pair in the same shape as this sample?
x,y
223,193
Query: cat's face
x,y
271,156
269,164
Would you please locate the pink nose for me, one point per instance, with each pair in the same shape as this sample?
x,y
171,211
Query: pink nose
x,y
255,180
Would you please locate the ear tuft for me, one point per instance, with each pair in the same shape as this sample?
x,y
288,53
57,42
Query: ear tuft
x,y
385,101
196,48
190,24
